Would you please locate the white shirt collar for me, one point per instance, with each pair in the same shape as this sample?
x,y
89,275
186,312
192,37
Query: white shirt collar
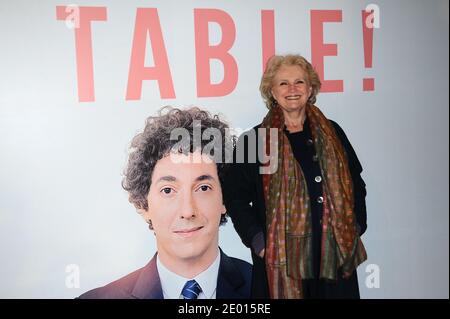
x,y
172,284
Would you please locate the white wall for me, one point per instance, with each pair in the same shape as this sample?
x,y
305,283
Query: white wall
x,y
61,160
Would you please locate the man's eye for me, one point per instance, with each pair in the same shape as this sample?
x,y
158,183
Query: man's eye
x,y
204,188
166,190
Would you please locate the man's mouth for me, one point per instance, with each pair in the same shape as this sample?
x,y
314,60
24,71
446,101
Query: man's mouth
x,y
188,232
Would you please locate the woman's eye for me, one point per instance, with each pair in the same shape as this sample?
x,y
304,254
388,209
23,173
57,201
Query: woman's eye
x,y
283,83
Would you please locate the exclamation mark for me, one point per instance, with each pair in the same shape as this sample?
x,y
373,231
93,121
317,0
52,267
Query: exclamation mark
x,y
268,35
367,24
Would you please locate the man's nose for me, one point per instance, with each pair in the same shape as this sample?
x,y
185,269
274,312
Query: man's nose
x,y
187,209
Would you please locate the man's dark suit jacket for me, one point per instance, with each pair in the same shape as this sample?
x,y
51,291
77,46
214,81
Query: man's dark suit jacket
x,y
233,282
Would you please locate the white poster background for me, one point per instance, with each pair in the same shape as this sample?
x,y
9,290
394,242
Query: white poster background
x,y
65,223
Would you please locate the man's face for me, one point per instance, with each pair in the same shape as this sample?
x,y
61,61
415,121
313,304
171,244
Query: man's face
x,y
185,205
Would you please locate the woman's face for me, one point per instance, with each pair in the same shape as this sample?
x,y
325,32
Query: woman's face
x,y
291,88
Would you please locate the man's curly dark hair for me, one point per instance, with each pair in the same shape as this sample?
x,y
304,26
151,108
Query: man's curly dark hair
x,y
158,139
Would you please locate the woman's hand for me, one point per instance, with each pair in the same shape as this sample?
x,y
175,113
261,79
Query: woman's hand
x,y
346,275
262,253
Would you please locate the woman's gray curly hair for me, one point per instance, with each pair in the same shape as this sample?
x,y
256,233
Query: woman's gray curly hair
x,y
272,67
157,141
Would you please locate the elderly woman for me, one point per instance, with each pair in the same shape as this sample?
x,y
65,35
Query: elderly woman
x,y
304,221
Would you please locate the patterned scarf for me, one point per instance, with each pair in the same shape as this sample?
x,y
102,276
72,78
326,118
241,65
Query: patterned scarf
x,y
289,253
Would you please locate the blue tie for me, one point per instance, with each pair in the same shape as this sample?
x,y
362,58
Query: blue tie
x,y
191,290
